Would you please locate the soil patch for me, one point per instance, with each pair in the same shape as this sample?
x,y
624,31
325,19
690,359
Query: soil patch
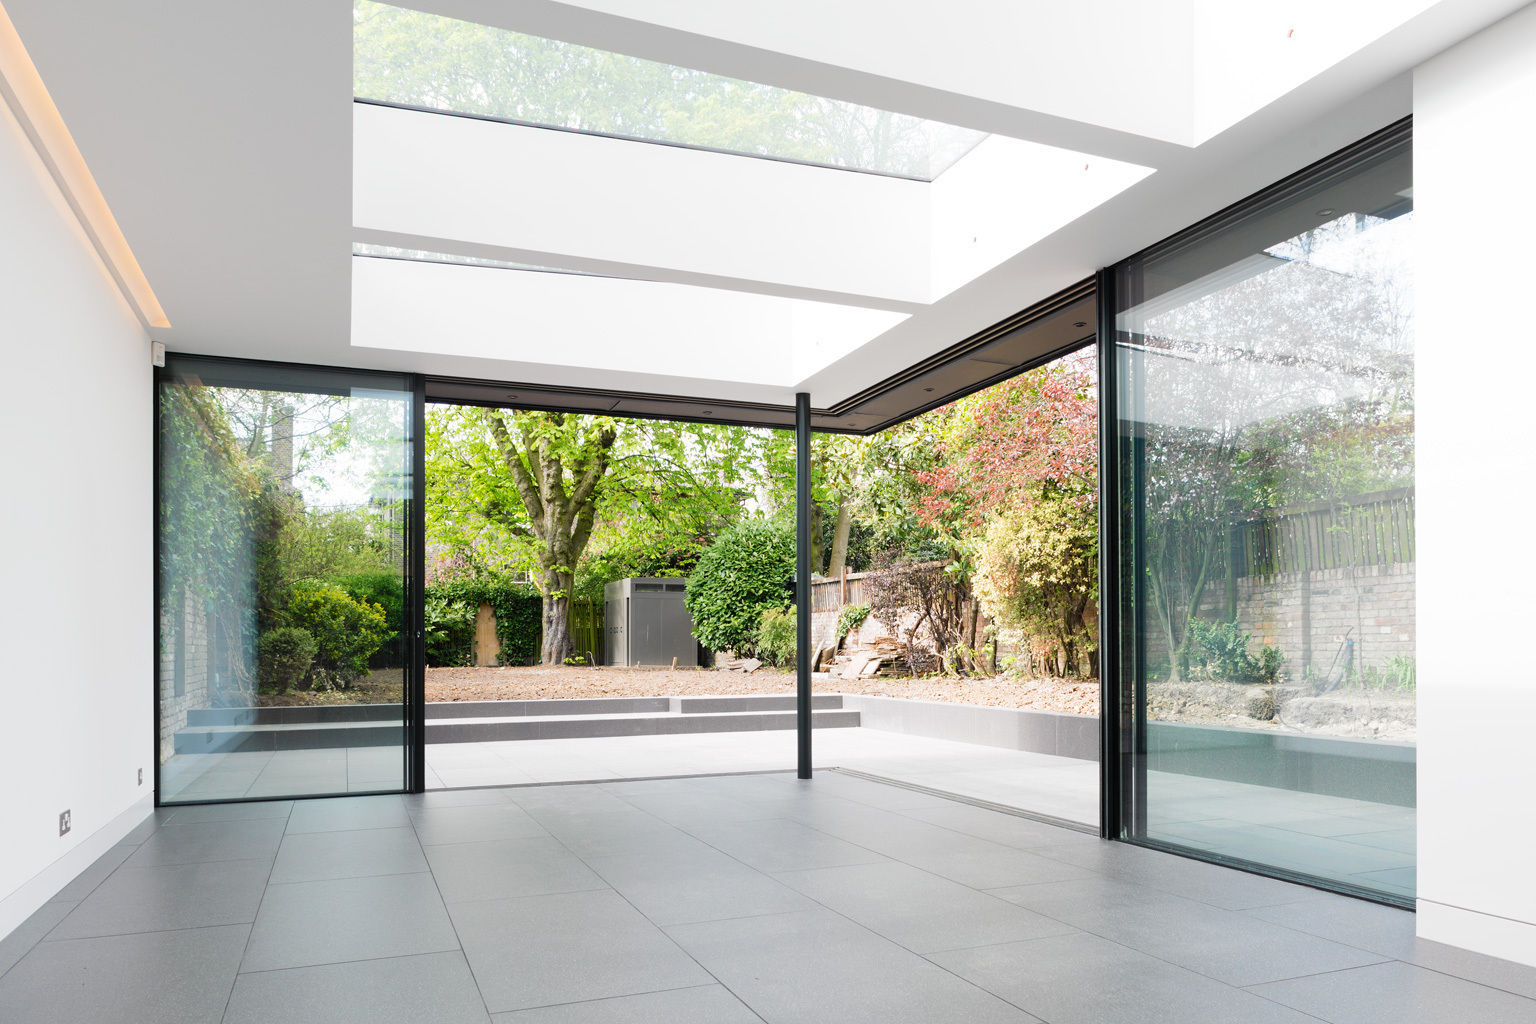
x,y
1355,713
549,682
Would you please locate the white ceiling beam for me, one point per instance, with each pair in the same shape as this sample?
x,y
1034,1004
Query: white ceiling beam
x,y
585,202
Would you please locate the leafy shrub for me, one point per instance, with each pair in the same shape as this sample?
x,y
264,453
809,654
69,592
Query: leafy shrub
x,y
850,618
1267,669
387,590
346,631
911,598
450,631
745,572
776,636
284,656
1221,649
1038,571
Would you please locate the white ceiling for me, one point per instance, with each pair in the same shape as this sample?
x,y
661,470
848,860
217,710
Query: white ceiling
x,y
222,135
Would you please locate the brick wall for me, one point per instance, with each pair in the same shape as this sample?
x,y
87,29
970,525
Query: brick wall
x,y
1304,614
184,658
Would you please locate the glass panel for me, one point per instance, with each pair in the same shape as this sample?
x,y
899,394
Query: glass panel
x,y
282,560
426,60
1266,422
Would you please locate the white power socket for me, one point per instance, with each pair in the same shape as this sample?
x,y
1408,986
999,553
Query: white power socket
x,y
63,823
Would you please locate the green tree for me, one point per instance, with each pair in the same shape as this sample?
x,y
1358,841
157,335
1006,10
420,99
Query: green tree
x,y
577,500
743,574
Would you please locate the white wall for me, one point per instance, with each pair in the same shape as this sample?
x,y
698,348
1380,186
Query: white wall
x,y
1474,154
76,605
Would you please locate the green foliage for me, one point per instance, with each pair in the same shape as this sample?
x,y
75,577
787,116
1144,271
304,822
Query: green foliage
x,y
387,590
1220,651
284,656
516,605
1401,673
776,636
1267,668
745,572
346,631
1037,571
450,631
850,618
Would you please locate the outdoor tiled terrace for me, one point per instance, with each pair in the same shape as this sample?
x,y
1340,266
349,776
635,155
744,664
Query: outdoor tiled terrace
x,y
711,899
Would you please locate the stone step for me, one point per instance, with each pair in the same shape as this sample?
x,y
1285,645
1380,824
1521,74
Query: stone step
x,y
229,738
332,714
754,702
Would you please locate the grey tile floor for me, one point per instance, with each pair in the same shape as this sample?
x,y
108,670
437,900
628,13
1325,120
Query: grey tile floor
x,y
1058,786
714,899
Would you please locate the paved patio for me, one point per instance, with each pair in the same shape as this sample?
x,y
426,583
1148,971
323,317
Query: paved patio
x,y
711,900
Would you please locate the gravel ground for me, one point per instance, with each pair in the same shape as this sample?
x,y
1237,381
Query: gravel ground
x,y
543,683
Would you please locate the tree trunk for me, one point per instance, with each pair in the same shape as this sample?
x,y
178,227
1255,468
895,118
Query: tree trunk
x,y
840,532
816,545
559,643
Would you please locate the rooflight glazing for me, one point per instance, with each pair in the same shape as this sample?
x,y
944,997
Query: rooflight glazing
x,y
395,252
426,60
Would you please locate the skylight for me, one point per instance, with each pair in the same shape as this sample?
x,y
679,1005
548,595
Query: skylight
x,y
426,60
395,252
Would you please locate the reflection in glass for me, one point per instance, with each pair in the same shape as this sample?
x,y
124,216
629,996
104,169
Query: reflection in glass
x,y
426,60
1266,425
282,540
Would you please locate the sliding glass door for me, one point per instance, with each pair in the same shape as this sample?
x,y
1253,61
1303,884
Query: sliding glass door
x,y
283,551
1264,464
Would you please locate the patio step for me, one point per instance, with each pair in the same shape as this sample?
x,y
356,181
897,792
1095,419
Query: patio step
x,y
259,732
330,714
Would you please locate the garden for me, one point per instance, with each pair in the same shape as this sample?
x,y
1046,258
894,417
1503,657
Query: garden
x,y
955,556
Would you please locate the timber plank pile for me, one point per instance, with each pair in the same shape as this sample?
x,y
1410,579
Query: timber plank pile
x,y
886,656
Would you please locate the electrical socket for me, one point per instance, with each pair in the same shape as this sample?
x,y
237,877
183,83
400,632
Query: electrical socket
x,y
141,776
63,823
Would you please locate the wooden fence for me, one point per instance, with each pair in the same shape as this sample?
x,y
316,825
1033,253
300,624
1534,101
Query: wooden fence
x,y
1375,529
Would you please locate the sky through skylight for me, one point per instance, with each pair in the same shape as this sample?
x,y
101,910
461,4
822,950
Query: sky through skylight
x,y
426,60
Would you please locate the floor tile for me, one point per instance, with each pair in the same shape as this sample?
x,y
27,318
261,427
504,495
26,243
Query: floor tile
x,y
172,977
241,839
504,868
708,1004
31,931
676,887
1396,993
435,987
350,812
540,950
1226,945
920,911
815,966
474,823
162,897
1086,979
302,924
1384,930
229,812
1008,829
83,884
310,856
778,844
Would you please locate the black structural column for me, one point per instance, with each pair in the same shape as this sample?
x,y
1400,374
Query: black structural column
x,y
1110,761
416,605
803,581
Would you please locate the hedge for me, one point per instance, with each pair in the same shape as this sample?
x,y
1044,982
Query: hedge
x,y
518,608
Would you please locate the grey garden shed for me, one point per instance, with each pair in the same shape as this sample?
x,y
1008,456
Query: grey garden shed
x,y
647,623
